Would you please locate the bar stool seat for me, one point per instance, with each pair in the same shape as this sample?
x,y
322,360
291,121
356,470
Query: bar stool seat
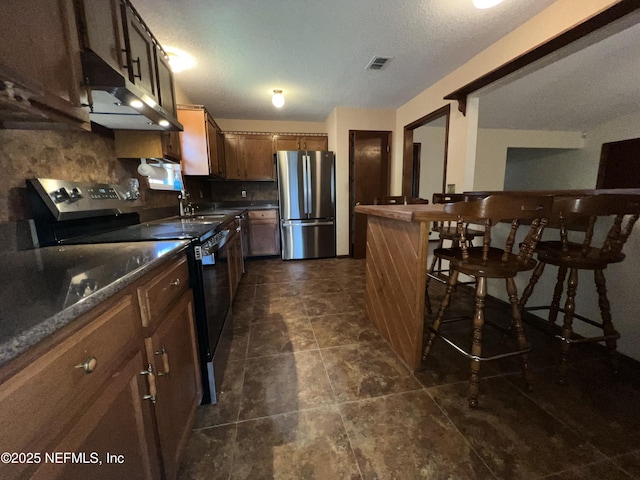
x,y
486,262
574,214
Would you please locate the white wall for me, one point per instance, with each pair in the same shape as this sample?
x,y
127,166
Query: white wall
x,y
341,121
432,140
492,145
234,125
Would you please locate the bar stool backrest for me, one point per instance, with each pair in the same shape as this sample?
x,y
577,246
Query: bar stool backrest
x,y
533,210
572,212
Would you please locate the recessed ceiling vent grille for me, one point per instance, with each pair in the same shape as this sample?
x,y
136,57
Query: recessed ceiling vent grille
x,y
378,63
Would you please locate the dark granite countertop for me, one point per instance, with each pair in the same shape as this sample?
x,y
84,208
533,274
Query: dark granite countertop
x,y
43,290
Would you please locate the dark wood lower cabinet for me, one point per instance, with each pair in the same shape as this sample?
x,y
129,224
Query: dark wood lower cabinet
x,y
114,438
106,397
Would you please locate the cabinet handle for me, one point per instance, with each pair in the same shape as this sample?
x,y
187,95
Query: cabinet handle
x,y
151,378
139,75
175,283
89,365
165,361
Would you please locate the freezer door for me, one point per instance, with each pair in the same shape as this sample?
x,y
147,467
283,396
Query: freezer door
x,y
292,184
308,239
321,184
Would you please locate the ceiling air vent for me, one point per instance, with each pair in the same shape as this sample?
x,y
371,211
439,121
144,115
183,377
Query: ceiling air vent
x,y
378,63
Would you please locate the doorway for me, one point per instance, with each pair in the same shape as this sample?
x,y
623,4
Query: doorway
x,y
619,164
424,169
369,179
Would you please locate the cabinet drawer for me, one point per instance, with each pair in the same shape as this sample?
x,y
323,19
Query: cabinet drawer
x,y
51,392
271,214
163,290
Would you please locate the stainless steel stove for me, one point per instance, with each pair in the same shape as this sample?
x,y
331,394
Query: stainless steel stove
x,y
68,213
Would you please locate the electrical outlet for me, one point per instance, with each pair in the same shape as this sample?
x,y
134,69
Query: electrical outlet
x,y
244,194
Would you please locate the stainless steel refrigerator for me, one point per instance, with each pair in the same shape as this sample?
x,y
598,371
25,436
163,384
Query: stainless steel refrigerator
x,y
307,195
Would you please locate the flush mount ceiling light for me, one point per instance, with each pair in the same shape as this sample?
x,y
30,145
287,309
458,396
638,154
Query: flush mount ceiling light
x,y
277,99
179,60
482,4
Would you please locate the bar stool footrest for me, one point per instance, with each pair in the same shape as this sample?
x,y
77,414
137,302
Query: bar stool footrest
x,y
477,358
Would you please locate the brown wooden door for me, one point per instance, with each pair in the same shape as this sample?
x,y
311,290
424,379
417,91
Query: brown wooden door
x,y
314,144
369,172
140,52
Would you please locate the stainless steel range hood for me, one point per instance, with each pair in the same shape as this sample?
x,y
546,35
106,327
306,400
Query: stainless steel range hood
x,y
111,96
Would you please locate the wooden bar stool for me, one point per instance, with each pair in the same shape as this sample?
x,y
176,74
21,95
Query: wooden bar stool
x,y
446,231
582,213
485,262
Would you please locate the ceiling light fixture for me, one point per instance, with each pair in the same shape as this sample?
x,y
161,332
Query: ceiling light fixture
x,y
179,60
277,99
482,4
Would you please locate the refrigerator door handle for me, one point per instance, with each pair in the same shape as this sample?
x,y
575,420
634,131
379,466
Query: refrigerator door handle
x,y
305,192
308,224
309,191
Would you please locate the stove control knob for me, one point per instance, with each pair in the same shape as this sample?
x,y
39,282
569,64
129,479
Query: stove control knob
x,y
75,194
60,195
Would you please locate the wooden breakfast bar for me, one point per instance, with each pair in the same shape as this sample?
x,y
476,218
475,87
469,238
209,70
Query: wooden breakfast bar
x,y
396,272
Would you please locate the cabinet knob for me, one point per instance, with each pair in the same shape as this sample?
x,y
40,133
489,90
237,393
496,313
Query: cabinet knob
x,y
165,361
176,282
89,365
151,379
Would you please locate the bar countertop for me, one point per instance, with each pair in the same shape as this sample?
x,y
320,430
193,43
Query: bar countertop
x,y
406,213
45,289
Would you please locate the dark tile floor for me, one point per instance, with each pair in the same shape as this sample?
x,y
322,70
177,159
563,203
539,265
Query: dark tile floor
x,y
309,390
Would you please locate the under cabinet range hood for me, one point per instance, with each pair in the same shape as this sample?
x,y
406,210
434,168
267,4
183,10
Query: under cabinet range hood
x,y
111,95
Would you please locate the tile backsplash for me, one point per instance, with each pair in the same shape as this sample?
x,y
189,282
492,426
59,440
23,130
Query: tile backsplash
x,y
232,191
63,154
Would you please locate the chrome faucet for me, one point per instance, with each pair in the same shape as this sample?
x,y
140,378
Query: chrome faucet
x,y
185,210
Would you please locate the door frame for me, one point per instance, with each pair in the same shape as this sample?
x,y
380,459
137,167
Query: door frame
x,y
352,203
407,160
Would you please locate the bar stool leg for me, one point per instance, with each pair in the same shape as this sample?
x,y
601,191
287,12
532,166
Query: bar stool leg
x,y
605,312
444,304
476,343
431,268
557,293
516,320
528,290
567,330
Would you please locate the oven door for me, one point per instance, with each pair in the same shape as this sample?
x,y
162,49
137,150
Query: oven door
x,y
212,306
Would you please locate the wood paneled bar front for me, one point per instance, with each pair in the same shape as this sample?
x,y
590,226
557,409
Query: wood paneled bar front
x,y
396,272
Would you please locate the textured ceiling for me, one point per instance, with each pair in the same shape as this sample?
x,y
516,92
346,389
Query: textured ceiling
x,y
591,82
317,51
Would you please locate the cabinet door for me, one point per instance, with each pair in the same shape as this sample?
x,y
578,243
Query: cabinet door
x,y
233,157
259,163
118,427
234,251
102,32
264,232
212,138
52,392
171,145
286,142
173,352
40,46
193,141
314,143
140,53
222,164
166,97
